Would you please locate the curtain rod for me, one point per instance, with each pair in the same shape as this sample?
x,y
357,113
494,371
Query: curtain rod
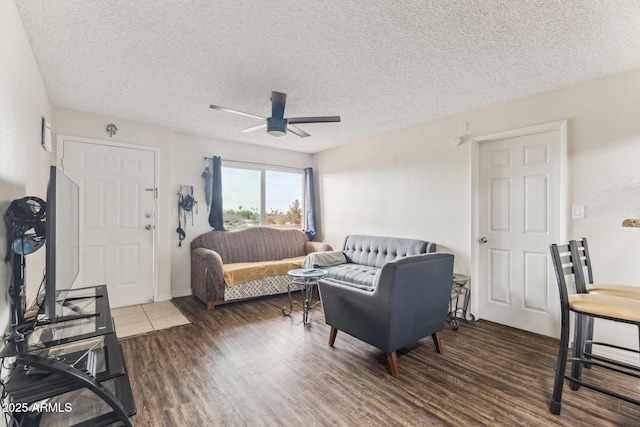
x,y
255,163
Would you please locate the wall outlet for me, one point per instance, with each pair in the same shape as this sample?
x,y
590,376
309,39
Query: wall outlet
x,y
577,212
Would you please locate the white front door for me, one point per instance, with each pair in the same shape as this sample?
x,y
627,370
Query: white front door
x,y
117,212
520,212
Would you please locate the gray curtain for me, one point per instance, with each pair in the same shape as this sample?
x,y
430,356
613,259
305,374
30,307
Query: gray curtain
x,y
310,205
215,214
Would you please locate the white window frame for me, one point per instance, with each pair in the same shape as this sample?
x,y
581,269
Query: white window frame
x,y
263,168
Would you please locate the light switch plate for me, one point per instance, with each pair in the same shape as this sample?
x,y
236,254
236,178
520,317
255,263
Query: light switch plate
x,y
577,212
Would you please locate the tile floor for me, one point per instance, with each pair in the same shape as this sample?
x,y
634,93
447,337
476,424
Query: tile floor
x,y
141,319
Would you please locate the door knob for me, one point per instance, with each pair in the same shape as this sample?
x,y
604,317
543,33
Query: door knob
x,y
148,227
482,240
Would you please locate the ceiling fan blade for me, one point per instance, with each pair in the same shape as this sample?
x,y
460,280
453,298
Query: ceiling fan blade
x,y
278,100
252,128
326,119
297,131
229,110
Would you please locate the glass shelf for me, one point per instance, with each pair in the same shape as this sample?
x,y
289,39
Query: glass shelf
x,y
85,313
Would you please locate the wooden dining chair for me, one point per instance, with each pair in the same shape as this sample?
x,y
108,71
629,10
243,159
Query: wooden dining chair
x,y
575,299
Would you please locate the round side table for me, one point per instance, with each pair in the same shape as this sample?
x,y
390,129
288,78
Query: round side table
x,y
307,278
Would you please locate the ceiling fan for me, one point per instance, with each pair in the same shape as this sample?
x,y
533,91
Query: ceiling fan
x,y
277,125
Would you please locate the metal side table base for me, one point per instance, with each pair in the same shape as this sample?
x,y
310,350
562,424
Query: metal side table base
x,y
460,289
307,278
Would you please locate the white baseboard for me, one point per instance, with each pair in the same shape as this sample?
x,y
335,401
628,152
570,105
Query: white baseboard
x,y
617,354
163,297
181,293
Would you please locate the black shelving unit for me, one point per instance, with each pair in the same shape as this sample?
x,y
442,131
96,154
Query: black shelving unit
x,y
80,352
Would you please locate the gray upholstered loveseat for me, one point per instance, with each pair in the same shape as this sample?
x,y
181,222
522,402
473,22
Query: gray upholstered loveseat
x,y
233,265
365,256
390,292
408,301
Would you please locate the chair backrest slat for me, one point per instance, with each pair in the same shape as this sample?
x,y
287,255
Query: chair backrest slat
x,y
563,265
580,253
585,258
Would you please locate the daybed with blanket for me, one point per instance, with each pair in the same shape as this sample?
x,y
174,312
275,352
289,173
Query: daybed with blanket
x,y
234,265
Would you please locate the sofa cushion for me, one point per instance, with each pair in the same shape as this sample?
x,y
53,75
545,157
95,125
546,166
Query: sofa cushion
x,y
362,275
241,272
350,284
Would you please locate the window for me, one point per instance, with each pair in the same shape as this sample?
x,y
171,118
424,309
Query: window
x,y
254,196
241,197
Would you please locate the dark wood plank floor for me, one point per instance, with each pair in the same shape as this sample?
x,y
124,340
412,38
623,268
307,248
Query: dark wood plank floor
x,y
244,364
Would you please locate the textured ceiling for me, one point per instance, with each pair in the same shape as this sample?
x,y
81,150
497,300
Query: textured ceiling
x,y
380,65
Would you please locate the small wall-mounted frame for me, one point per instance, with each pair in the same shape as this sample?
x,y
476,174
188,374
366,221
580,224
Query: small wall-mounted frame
x,y
46,134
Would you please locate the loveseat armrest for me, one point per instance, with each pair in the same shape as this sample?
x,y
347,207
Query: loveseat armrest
x,y
207,276
316,247
346,306
340,298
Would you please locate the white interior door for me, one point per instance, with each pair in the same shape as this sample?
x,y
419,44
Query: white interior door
x,y
117,200
520,210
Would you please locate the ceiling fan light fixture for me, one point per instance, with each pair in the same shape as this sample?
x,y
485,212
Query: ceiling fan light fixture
x,y
276,127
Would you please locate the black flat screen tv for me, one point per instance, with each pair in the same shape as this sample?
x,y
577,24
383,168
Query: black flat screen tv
x,y
62,240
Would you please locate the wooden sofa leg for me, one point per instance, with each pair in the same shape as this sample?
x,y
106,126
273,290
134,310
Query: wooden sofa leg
x,y
437,341
332,336
212,304
393,363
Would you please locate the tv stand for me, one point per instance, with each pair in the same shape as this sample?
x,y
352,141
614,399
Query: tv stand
x,y
76,357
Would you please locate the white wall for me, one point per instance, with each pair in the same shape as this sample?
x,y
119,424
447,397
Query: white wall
x,y
409,183
23,163
414,182
181,159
